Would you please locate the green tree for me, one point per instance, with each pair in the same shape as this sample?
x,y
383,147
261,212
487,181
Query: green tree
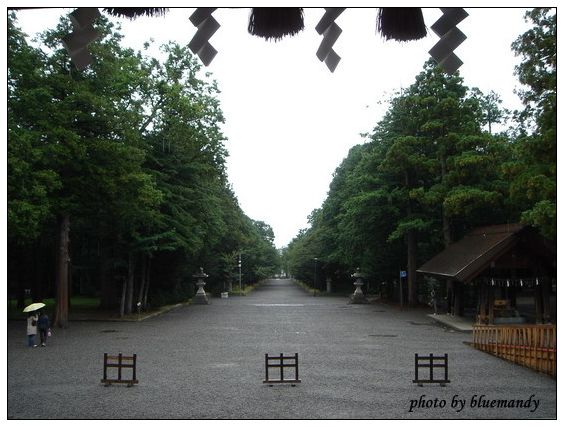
x,y
29,182
428,172
533,172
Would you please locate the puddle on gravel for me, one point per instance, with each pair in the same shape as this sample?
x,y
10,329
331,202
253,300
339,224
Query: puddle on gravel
x,y
109,330
421,323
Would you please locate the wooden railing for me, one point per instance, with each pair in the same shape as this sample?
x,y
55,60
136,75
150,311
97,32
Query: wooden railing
x,y
533,346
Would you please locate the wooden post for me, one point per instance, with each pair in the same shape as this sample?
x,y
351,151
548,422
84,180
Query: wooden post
x,y
450,296
546,285
458,298
483,301
105,366
491,297
281,367
538,303
134,367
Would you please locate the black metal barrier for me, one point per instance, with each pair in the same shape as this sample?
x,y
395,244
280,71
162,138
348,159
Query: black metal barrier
x,y
281,365
431,365
120,365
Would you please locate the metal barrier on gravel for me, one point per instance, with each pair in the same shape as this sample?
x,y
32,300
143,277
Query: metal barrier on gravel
x,y
431,365
281,365
120,365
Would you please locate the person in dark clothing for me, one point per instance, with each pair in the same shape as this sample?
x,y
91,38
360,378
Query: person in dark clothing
x,y
43,326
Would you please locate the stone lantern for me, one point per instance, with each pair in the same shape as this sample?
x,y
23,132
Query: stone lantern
x,y
358,296
200,297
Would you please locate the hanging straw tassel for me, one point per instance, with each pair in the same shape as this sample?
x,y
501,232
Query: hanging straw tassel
x,y
276,22
135,12
401,23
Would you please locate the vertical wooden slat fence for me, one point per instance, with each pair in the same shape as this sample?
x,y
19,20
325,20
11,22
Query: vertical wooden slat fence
x,y
533,346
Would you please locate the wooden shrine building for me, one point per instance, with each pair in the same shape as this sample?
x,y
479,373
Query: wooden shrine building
x,y
494,267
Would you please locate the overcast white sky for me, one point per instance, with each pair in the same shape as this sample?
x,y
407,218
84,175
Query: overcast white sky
x,y
289,120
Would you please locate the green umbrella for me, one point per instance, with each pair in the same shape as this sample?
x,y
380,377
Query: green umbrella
x,y
33,307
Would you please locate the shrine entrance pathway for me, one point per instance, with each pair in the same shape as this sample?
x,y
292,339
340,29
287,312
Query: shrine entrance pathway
x,y
356,361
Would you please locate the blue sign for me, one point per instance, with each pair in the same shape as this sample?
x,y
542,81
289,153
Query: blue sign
x,y
403,273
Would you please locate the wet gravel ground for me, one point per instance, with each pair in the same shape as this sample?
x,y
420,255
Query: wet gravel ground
x,y
356,361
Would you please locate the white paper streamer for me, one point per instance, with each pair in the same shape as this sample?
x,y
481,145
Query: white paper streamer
x,y
450,38
207,26
76,43
331,32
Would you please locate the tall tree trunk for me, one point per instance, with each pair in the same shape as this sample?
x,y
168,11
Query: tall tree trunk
x,y
130,283
122,301
411,256
62,273
107,291
411,267
142,280
21,282
147,282
447,239
69,271
35,264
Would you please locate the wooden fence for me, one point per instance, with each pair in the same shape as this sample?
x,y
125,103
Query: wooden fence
x,y
533,346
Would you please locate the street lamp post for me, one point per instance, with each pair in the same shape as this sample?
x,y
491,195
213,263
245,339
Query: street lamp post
x,y
239,272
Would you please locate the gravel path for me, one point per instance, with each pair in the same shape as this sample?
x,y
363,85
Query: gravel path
x,y
356,361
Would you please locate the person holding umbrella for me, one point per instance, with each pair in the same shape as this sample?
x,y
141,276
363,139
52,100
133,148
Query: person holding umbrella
x,y
32,322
